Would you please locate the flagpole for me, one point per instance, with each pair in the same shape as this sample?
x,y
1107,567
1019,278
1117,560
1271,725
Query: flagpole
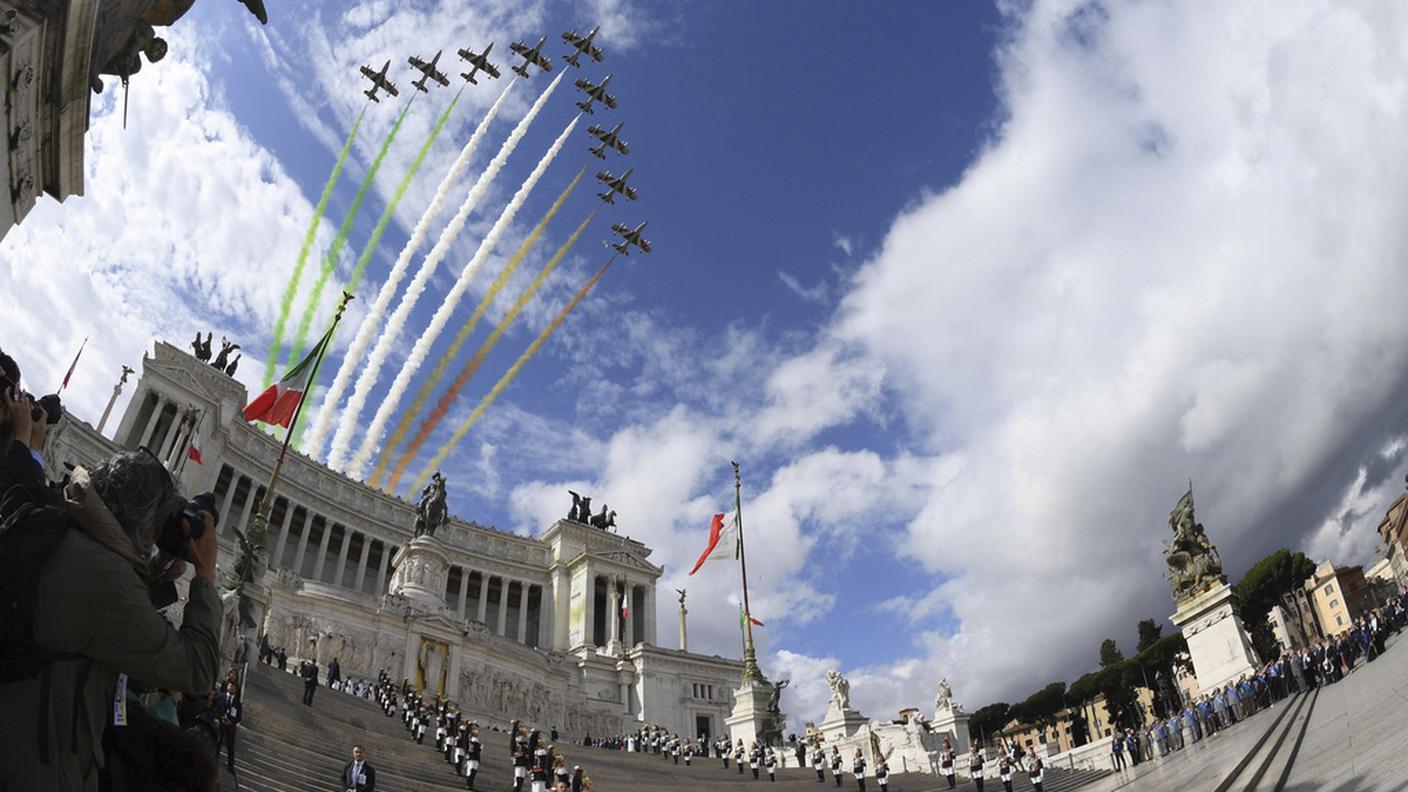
x,y
260,526
72,365
751,673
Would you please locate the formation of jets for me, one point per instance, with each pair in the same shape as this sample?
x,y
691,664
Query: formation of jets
x,y
616,185
533,56
610,139
596,92
428,72
379,81
630,236
478,63
581,45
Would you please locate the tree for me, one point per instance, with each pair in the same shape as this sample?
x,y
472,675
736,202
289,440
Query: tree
x,y
1261,589
987,722
1082,691
1163,659
1110,653
1149,632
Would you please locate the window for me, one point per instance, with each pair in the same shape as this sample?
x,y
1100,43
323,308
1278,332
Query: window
x,y
1334,603
1339,620
1329,588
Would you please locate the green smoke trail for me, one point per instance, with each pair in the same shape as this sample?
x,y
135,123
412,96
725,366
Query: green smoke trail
x,y
334,252
271,360
375,239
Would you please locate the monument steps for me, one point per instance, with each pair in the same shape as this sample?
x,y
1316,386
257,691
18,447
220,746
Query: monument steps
x,y
287,747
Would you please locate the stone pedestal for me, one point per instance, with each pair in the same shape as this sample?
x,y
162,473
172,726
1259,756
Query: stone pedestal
x,y
841,723
1212,625
750,718
422,567
952,723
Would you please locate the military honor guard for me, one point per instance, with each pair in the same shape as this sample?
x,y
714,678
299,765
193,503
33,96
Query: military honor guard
x,y
976,762
473,751
520,765
1004,770
754,758
836,764
882,773
1034,769
858,770
688,751
770,762
738,753
819,762
946,763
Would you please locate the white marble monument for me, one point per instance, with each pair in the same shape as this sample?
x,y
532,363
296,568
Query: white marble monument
x,y
841,720
949,718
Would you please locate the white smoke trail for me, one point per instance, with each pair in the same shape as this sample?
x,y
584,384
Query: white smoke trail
x,y
342,441
313,444
421,350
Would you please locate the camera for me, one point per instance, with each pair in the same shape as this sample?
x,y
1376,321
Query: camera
x,y
53,408
186,524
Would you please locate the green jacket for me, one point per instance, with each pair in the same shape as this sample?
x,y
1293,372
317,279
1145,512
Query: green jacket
x,y
95,600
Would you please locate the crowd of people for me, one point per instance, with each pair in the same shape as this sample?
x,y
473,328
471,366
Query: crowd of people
x,y
1324,663
98,689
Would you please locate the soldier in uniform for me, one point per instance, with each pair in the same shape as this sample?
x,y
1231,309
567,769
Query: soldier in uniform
x,y
819,761
858,770
882,773
754,756
946,762
738,756
836,764
976,761
770,762
1034,769
1004,769
474,750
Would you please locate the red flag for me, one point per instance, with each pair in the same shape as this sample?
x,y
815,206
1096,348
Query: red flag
x,y
74,364
193,454
723,540
625,612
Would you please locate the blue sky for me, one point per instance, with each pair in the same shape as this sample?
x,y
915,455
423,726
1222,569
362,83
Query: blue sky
x,y
970,290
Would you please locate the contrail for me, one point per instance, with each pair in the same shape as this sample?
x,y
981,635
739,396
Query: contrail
x,y
377,232
419,352
334,252
371,322
507,378
271,360
447,399
342,441
466,330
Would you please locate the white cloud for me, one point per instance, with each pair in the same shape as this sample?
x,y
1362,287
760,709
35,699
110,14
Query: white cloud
x,y
185,223
843,243
1179,257
817,293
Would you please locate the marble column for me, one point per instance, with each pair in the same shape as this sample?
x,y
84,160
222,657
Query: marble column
x,y
613,593
483,597
522,612
590,628
304,529
502,627
386,551
322,551
247,510
362,561
229,495
630,614
283,535
464,590
152,421
342,556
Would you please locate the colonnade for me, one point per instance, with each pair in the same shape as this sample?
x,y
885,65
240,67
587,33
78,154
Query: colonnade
x,y
489,598
628,601
294,529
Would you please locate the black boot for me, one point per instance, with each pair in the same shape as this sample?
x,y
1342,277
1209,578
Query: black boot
x,y
469,782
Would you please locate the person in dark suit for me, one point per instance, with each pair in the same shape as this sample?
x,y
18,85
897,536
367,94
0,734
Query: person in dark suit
x,y
357,775
230,714
309,672
334,672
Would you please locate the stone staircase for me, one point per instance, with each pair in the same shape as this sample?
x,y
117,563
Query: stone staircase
x,y
284,746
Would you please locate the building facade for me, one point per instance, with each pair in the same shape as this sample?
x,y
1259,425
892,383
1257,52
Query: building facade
x,y
1339,595
559,628
1393,531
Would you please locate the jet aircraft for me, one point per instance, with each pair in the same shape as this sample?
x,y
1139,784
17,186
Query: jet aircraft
x,y
615,186
581,45
595,93
609,139
478,63
379,81
428,72
531,56
630,236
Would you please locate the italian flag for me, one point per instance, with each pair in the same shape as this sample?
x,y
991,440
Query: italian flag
x,y
723,540
742,616
277,404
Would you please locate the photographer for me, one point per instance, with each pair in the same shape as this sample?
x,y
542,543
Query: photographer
x,y
79,593
26,423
